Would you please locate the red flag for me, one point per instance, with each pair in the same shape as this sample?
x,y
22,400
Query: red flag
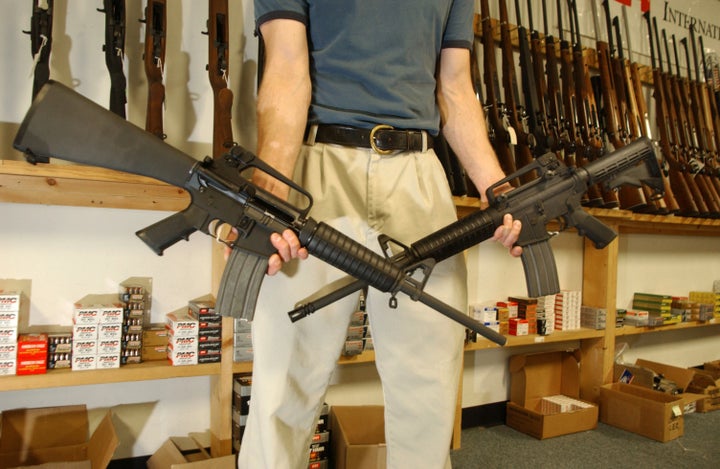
x,y
644,5
626,2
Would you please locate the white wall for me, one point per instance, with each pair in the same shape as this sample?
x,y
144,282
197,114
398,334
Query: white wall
x,y
68,251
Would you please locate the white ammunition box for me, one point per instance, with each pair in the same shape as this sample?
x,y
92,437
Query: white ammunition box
x,y
109,331
84,348
111,314
8,352
9,319
8,335
181,358
108,347
85,331
182,343
107,361
86,315
81,363
8,367
181,325
9,301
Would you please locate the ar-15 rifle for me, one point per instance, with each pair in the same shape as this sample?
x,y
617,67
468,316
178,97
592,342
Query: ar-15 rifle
x,y
41,42
495,111
218,63
524,141
154,59
56,125
114,49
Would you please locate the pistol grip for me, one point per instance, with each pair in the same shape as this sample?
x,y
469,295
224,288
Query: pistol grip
x,y
540,269
240,284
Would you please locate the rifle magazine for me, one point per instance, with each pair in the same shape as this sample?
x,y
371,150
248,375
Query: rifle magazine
x,y
240,284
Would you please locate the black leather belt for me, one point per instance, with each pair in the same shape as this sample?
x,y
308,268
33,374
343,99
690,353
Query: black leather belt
x,y
382,138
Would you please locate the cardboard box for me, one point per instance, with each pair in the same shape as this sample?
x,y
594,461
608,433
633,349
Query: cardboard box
x,y
56,435
358,437
650,413
187,453
534,377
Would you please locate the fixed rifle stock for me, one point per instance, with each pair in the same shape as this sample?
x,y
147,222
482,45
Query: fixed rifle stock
x,y
154,60
57,125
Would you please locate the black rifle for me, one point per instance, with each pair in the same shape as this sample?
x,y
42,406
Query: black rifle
x,y
41,42
56,125
114,49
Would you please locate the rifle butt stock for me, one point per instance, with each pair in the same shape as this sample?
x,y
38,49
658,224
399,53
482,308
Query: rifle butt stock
x,y
56,126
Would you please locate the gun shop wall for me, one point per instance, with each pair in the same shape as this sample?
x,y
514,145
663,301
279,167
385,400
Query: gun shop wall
x,y
60,252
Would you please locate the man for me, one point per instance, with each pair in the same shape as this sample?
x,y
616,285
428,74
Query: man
x,y
352,93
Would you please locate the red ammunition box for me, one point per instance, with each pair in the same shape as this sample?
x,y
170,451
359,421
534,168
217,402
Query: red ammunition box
x,y
32,354
517,326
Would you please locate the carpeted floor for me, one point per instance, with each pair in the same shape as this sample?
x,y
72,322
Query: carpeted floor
x,y
605,447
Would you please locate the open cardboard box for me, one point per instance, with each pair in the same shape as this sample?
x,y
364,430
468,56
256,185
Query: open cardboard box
x,y
534,377
358,437
188,452
640,410
56,436
696,385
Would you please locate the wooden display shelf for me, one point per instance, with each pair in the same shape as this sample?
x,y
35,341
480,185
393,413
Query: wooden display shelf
x,y
85,186
534,339
632,330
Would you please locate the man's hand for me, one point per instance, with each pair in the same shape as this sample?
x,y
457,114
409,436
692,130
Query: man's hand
x,y
507,234
288,247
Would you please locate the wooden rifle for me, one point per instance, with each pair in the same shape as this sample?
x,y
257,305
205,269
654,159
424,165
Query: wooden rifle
x,y
41,42
554,100
701,114
524,141
711,96
114,49
495,111
677,128
592,144
217,67
633,96
694,154
154,57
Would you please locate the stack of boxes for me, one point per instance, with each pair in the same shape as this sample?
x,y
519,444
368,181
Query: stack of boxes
x,y
708,304
319,447
526,321
241,407
97,332
567,310
182,337
242,341
546,314
135,293
506,311
657,306
593,318
9,316
358,331
209,344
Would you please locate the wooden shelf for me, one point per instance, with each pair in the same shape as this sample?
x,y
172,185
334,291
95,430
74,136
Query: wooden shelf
x,y
534,339
631,330
85,186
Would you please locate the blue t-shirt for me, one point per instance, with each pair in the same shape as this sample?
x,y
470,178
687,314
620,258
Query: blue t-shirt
x,y
374,61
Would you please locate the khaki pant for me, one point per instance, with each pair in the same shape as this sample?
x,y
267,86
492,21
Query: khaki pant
x,y
418,351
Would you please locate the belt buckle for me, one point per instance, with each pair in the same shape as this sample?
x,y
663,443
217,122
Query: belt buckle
x,y
372,139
